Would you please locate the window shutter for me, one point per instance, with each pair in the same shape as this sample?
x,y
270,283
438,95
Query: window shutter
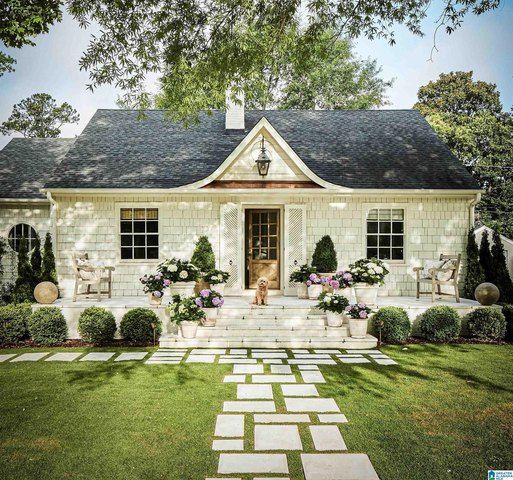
x,y
231,245
295,242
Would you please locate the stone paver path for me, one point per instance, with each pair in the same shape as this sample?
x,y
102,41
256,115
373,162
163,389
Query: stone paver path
x,y
64,357
97,357
30,357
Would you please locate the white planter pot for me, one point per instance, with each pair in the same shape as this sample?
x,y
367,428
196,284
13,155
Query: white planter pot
x,y
184,289
189,329
219,288
210,317
302,291
358,327
314,291
153,299
335,319
344,291
365,293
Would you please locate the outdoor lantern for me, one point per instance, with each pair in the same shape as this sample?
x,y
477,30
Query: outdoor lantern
x,y
263,161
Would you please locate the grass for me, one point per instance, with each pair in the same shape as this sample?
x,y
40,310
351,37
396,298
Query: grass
x,y
443,412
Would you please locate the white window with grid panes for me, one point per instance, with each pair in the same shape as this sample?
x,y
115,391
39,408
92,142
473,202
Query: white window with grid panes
x,y
139,232
385,234
22,230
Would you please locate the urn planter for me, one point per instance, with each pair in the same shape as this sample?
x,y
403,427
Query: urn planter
x,y
302,291
358,327
189,329
219,288
210,317
155,301
314,291
365,293
335,319
184,289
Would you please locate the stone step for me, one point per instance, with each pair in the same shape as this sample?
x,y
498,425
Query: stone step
x,y
269,311
278,333
317,320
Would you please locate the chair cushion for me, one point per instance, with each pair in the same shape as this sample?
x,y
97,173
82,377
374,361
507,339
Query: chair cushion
x,y
428,265
445,276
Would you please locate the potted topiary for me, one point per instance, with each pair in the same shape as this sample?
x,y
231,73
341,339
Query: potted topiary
x,y
341,283
358,314
153,286
324,258
314,286
218,279
300,276
204,260
186,314
182,275
209,301
334,305
368,274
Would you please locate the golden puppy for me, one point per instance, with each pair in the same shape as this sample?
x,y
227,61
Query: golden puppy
x,y
261,291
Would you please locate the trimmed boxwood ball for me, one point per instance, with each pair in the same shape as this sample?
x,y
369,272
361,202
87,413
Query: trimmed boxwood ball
x,y
47,326
393,323
487,323
14,322
97,325
440,324
507,311
136,325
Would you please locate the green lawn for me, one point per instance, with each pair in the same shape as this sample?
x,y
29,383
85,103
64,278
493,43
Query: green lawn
x,y
443,412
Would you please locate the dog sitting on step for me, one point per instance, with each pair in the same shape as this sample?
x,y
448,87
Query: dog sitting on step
x,y
261,291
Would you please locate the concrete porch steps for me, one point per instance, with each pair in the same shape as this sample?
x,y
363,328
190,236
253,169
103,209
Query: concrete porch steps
x,y
277,331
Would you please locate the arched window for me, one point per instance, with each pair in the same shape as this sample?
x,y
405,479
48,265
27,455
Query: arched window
x,y
18,232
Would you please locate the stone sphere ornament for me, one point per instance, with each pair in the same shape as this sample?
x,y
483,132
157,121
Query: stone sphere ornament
x,y
46,292
487,293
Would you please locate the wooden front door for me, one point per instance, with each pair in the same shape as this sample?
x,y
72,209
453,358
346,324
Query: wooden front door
x,y
263,246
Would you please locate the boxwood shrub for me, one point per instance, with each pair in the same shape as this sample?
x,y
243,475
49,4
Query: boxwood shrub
x,y
136,325
97,325
47,326
440,323
487,323
14,322
507,311
392,323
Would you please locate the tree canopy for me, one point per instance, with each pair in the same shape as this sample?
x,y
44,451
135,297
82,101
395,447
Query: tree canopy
x,y
469,117
39,116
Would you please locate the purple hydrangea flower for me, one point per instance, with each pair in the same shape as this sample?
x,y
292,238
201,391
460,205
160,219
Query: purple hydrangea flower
x,y
308,283
347,276
157,294
348,308
216,301
313,277
167,282
335,284
361,305
198,302
205,293
363,314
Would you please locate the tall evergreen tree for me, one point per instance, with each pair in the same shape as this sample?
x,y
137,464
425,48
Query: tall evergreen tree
x,y
48,271
35,261
485,257
475,274
203,256
500,270
324,258
24,270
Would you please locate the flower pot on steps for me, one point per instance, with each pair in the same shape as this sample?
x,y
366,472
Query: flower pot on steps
x,y
314,291
334,319
184,289
358,327
366,293
210,317
189,329
153,299
219,288
302,291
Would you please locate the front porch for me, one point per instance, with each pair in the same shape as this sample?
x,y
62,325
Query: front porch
x,y
286,322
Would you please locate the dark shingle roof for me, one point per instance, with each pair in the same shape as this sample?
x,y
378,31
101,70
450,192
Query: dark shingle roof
x,y
26,163
358,149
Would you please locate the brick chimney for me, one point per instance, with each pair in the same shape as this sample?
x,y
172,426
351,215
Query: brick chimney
x,y
234,119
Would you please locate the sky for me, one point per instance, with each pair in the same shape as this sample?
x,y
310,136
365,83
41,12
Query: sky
x,y
483,45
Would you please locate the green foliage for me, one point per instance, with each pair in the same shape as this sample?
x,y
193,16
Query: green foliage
x,y
440,323
487,323
500,270
469,117
3,249
474,272
6,64
302,273
203,256
391,324
39,116
507,311
47,326
97,325
24,285
48,271
14,322
324,258
184,309
332,302
137,325
35,261
485,258
21,294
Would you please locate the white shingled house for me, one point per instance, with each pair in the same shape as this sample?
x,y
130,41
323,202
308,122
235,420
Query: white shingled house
x,y
132,192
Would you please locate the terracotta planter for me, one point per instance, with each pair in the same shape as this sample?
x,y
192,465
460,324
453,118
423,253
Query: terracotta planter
x,y
366,293
335,319
184,289
302,291
219,288
358,327
154,300
314,291
210,317
189,329
201,285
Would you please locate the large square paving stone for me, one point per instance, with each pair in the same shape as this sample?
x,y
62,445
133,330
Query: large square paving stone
x,y
234,379
237,360
253,463
232,444
313,361
312,377
229,426
130,356
200,359
97,357
238,369
300,390
281,369
277,437
385,361
354,360
64,357
327,437
273,379
6,356
282,418
311,405
337,466
269,354
30,357
248,406
249,391
208,351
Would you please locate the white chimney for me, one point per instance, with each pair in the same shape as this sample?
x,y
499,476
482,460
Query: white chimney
x,y
234,112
